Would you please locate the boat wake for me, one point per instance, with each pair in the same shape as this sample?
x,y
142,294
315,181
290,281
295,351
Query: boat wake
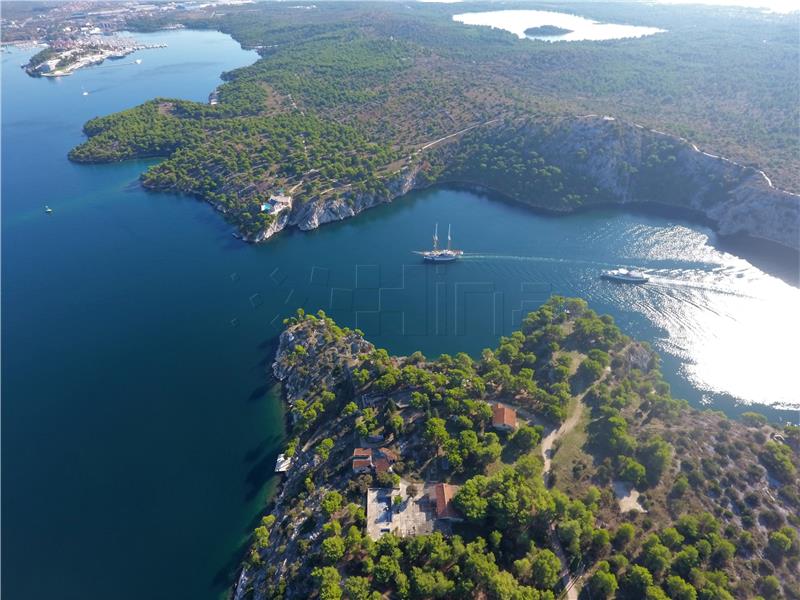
x,y
539,259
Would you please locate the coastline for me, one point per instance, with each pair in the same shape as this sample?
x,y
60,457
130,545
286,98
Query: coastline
x,y
90,60
289,536
750,207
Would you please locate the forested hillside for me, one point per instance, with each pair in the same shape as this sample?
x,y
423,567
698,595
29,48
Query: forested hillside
x,y
346,95
601,482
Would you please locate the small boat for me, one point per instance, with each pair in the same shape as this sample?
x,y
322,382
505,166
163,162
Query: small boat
x,y
440,254
625,276
47,209
138,61
85,93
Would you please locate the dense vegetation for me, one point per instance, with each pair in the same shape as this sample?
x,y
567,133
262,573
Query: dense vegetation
x,y
386,79
546,30
715,526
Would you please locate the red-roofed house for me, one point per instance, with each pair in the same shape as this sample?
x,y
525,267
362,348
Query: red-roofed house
x,y
381,465
362,460
504,418
442,495
362,465
380,459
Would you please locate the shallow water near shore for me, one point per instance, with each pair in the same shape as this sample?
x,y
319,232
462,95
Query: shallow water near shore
x,y
139,426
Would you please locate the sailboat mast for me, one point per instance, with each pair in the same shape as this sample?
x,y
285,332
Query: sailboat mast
x,y
436,237
448,236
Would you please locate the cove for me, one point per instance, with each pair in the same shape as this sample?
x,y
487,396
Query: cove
x,y
139,428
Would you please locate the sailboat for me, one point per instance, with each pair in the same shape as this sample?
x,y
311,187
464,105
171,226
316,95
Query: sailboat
x,y
440,254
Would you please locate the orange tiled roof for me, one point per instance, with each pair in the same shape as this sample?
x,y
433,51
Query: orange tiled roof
x,y
443,493
381,465
362,463
503,415
362,453
389,454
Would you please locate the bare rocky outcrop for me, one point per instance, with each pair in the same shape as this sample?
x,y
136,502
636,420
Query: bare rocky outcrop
x,y
312,355
327,209
630,163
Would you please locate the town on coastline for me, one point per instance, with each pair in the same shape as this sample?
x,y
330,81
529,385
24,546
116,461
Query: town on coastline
x,y
81,34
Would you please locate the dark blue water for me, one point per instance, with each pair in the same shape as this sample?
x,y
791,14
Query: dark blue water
x,y
138,432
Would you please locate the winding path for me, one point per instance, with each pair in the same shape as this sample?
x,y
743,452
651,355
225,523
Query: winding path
x,y
570,590
550,439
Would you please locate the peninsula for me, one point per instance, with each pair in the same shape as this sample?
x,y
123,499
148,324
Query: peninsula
x,y
353,104
66,57
557,463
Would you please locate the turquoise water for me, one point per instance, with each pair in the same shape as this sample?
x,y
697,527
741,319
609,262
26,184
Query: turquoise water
x,y
138,428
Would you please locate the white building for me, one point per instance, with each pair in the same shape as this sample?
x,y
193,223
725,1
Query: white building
x,y
276,203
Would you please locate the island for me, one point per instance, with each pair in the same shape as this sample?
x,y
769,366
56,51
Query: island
x,y
546,31
556,463
353,105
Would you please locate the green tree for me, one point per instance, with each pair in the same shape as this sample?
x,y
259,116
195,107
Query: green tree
x,y
436,433
386,570
332,502
655,593
332,549
636,582
624,536
632,471
603,584
353,539
770,588
655,456
722,554
430,584
328,580
671,538
358,588
679,589
656,556
323,450
526,438
686,560
545,569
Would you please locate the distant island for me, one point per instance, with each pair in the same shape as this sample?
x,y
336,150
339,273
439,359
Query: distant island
x,y
546,30
556,462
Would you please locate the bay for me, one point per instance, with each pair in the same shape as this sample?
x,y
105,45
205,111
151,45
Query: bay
x,y
139,428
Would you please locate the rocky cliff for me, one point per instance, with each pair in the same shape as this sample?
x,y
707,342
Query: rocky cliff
x,y
318,211
632,164
313,356
625,162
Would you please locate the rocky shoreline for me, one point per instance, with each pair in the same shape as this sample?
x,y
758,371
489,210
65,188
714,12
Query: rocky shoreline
x,y
734,199
312,355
